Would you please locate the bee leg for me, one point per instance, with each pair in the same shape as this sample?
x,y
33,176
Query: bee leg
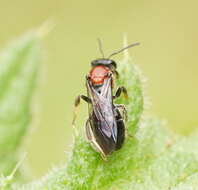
x,y
76,104
120,90
116,74
85,98
91,138
123,110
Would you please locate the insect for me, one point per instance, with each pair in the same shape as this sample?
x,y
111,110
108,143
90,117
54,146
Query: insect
x,y
105,126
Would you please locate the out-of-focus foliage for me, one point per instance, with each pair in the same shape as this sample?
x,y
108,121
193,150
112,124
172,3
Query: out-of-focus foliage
x,y
166,30
151,158
18,74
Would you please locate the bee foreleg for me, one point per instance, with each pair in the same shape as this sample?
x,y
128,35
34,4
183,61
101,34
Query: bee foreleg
x,y
76,104
85,98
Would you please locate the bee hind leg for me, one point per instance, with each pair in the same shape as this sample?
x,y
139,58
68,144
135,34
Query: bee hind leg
x,y
122,109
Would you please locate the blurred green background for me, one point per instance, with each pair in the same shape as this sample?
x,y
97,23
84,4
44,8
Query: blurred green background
x,y
167,31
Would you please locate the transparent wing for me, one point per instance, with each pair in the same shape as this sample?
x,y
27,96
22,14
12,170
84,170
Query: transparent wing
x,y
103,109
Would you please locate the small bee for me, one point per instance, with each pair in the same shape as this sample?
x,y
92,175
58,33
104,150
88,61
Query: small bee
x,y
105,126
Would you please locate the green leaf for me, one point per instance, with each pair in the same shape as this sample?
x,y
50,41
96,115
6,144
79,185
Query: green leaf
x,y
18,73
86,169
152,157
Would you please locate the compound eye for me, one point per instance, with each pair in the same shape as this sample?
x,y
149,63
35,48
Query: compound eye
x,y
114,64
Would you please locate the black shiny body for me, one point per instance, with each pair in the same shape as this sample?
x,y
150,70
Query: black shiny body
x,y
108,145
105,126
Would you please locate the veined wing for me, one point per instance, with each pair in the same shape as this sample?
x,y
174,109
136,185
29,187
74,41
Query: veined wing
x,y
103,108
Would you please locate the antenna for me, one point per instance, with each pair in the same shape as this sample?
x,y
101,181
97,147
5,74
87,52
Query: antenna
x,y
127,47
100,47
